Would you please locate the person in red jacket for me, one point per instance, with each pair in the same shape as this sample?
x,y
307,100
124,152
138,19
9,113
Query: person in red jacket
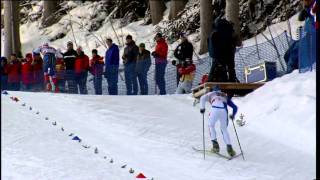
x,y
81,70
187,72
27,73
38,74
96,69
160,55
14,73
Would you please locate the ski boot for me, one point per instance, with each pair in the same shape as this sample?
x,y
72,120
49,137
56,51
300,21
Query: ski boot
x,y
231,152
215,146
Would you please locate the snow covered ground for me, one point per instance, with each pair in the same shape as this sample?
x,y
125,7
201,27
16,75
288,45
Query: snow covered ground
x,y
154,135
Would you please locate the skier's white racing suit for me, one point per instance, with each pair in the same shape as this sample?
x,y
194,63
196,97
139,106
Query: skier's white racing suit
x,y
219,112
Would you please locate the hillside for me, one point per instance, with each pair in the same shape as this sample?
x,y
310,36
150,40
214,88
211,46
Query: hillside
x,y
154,135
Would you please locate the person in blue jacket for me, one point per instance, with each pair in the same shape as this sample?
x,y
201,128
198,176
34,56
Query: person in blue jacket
x,y
219,112
112,67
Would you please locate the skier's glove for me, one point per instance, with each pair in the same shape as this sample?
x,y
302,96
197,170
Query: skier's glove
x,y
174,62
231,117
202,111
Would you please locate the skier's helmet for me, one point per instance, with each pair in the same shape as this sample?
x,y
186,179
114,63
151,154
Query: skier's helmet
x,y
216,88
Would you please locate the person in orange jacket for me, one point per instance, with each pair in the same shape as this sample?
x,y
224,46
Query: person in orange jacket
x,y
160,55
187,72
81,70
27,73
14,73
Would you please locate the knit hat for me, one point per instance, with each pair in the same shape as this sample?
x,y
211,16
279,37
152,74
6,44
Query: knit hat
x,y
142,45
29,56
79,48
129,37
70,43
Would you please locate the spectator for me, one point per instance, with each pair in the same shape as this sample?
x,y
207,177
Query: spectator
x,y
27,73
183,51
14,72
81,71
112,67
69,58
186,71
160,55
60,72
38,77
4,73
96,67
222,46
129,57
142,68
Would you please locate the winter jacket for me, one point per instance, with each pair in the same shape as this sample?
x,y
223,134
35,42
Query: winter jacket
x,y
38,76
60,68
14,71
143,61
112,55
96,65
161,51
81,64
130,53
69,58
4,66
184,51
27,71
187,72
204,79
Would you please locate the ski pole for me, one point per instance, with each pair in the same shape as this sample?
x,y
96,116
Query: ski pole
x,y
237,139
204,145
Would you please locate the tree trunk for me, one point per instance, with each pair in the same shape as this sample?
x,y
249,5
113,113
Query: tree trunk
x,y
232,15
48,17
11,28
157,8
175,7
205,24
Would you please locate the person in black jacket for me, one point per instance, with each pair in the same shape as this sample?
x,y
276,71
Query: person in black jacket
x,y
129,57
183,52
222,47
69,58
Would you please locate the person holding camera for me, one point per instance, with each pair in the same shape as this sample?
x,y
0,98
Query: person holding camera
x,y
183,51
186,72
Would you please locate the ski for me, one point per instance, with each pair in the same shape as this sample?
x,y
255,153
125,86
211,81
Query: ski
x,y
219,154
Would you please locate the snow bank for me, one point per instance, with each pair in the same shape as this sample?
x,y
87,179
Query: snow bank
x,y
154,135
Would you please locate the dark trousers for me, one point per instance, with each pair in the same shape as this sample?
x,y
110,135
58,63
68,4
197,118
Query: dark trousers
x,y
70,79
111,74
81,84
143,82
4,82
130,79
14,86
160,79
26,87
61,83
97,83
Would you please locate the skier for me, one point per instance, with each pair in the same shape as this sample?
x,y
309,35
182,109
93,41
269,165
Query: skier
x,y
219,111
49,58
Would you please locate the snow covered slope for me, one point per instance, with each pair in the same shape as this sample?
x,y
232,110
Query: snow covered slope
x,y
154,135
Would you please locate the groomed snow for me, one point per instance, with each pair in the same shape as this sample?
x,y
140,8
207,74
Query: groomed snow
x,y
154,135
